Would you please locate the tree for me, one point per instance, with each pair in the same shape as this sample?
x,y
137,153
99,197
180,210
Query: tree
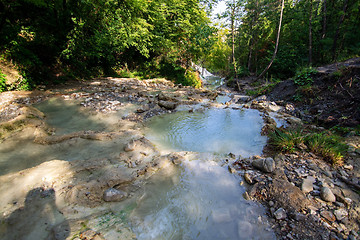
x,y
277,42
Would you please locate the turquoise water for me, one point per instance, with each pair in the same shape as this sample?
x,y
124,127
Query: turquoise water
x,y
214,130
199,200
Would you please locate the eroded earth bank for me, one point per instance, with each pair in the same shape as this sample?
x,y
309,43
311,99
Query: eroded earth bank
x,y
81,162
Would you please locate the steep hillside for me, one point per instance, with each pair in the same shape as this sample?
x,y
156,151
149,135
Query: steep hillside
x,y
333,97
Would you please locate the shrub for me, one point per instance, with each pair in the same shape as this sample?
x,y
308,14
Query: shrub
x,y
3,86
22,84
192,79
261,90
327,145
286,140
304,76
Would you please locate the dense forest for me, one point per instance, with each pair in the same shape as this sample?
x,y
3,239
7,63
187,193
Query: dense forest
x,y
54,41
313,32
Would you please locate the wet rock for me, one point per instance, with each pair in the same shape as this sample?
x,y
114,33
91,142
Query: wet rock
x,y
129,147
265,164
167,105
231,169
114,195
143,109
241,98
273,107
176,159
327,195
248,178
340,214
307,184
280,214
328,216
246,196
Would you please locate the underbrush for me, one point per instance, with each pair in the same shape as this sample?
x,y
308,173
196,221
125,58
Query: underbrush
x,y
162,69
325,144
262,89
3,86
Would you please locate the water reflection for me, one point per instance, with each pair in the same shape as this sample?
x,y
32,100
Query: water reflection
x,y
214,130
200,200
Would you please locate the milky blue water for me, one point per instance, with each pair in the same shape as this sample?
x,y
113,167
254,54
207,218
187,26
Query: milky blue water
x,y
213,130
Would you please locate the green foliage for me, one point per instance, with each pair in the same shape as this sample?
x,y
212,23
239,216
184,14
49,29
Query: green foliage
x,y
286,141
297,97
337,74
261,90
192,79
3,86
344,131
22,84
303,77
325,144
258,23
56,40
179,74
218,58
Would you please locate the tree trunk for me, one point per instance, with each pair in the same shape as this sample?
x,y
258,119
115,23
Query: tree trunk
x,y
336,36
250,56
277,42
324,25
233,36
253,40
310,33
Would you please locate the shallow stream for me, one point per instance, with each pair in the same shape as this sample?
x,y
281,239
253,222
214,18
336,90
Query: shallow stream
x,y
212,130
198,199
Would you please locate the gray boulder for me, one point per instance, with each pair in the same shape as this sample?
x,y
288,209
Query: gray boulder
x,y
265,164
167,105
327,195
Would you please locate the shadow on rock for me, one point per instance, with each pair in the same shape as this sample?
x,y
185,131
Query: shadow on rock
x,y
35,219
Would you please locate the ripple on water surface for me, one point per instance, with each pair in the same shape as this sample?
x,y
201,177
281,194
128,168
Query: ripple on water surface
x,y
200,200
213,130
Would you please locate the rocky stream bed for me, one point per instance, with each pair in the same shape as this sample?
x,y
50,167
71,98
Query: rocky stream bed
x,y
304,197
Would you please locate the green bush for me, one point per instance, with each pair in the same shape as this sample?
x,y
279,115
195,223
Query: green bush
x,y
178,74
327,145
304,76
3,86
286,140
192,79
261,90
